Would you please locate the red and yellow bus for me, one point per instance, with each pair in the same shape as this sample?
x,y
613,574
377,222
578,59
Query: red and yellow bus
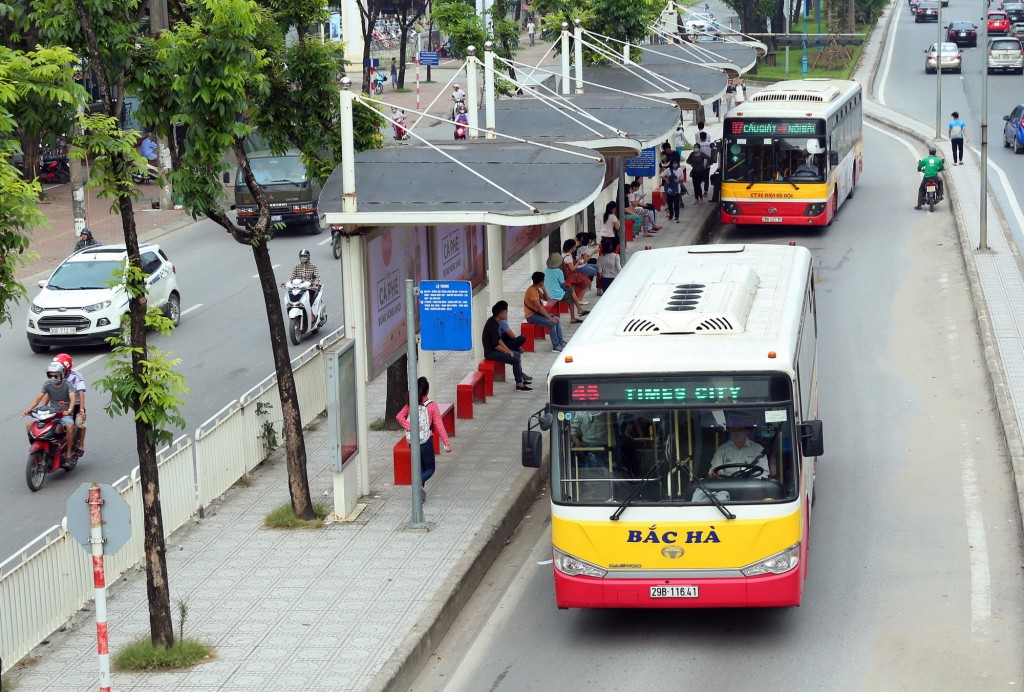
x,y
792,153
689,350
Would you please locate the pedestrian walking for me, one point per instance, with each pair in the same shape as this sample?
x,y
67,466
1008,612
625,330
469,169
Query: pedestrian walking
x,y
531,30
741,92
957,137
394,74
430,421
700,170
730,95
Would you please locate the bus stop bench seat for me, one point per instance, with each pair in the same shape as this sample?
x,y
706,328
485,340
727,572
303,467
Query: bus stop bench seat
x,y
402,457
472,387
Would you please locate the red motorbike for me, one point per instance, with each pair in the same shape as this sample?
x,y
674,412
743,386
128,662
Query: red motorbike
x,y
55,169
47,446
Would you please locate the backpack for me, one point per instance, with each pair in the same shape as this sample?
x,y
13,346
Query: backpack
x,y
956,132
672,184
424,423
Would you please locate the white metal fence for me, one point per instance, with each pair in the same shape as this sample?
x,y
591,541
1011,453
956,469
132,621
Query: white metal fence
x,y
45,583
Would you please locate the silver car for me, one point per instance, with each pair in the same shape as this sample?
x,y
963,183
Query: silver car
x,y
1005,53
950,58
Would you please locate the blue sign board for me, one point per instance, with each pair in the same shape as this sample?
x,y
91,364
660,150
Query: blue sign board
x,y
372,62
429,57
446,319
643,166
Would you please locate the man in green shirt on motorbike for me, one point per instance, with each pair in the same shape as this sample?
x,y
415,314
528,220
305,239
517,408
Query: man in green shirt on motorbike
x,y
931,166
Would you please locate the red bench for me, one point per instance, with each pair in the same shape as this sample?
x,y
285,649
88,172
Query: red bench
x,y
494,371
472,387
527,339
402,458
533,332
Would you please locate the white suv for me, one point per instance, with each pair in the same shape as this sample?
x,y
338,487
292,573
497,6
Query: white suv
x,y
78,307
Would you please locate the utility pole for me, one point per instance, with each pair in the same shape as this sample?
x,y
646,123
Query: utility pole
x,y
159,22
79,177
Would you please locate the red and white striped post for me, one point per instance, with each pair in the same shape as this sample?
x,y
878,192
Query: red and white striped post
x,y
100,582
417,60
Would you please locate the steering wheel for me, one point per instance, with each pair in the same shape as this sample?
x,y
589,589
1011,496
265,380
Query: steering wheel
x,y
746,470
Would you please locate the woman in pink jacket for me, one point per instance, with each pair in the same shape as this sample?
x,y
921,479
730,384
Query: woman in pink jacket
x,y
429,422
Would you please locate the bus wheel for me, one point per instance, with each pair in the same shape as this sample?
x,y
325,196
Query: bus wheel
x,y
835,205
853,185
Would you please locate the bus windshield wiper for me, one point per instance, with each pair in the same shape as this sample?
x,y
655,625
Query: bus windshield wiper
x,y
648,477
708,493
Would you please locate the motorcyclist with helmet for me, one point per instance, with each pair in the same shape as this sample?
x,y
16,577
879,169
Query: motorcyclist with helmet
x,y
56,391
77,383
307,271
85,240
931,166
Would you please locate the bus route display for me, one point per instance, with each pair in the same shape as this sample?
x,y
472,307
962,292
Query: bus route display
x,y
681,390
777,128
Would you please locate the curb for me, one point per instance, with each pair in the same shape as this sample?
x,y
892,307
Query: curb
x,y
409,659
999,387
403,667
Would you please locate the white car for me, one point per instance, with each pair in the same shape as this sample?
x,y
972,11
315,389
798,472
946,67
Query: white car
x,y
699,24
77,305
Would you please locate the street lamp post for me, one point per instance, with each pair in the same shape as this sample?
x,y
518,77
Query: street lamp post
x,y
938,75
983,126
803,60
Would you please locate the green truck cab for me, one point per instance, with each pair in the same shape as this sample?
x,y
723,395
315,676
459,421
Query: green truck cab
x,y
293,195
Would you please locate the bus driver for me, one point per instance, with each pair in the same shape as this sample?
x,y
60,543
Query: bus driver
x,y
737,452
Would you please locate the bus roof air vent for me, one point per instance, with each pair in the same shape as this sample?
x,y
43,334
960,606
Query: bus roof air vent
x,y
703,301
817,93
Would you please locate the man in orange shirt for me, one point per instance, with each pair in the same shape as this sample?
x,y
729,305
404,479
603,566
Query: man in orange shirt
x,y
533,308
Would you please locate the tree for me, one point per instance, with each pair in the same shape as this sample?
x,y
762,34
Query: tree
x,y
369,13
106,35
229,72
41,77
407,13
622,21
460,22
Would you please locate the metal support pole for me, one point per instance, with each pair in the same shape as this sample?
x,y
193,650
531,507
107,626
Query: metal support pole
x,y
417,82
348,149
79,177
787,62
418,521
471,92
489,94
938,75
983,206
565,59
577,33
99,582
803,60
620,200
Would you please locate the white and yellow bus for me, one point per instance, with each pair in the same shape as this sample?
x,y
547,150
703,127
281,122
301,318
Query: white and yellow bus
x,y
792,153
690,349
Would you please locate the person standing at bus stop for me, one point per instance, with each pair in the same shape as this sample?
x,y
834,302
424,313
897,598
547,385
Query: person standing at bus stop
x,y
957,137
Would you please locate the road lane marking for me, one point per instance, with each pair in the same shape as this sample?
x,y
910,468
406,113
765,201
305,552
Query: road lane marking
x,y
90,361
273,266
191,309
325,241
888,59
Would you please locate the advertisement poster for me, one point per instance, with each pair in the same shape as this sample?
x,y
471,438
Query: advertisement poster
x,y
335,26
394,255
519,240
459,254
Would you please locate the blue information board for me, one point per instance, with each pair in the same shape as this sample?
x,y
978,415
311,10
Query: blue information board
x,y
372,62
429,57
446,315
642,166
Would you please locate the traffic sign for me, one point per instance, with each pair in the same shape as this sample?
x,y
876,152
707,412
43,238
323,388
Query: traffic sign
x,y
116,527
642,166
446,315
429,57
372,62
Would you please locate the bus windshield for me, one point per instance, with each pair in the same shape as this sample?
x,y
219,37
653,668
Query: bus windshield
x,y
775,152
650,455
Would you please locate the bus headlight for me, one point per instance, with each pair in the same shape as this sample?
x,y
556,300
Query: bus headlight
x,y
730,208
816,209
575,567
780,563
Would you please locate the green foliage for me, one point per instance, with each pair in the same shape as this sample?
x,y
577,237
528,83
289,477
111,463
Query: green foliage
x,y
155,397
112,156
612,18
268,434
142,655
284,518
36,80
460,22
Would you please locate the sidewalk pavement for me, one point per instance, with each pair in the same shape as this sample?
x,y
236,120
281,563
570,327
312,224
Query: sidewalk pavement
x,y
352,606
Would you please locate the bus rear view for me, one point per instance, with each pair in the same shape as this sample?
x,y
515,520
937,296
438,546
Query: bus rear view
x,y
683,434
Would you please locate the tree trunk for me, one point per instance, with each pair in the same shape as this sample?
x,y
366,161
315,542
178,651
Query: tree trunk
x,y
30,157
398,392
295,442
158,591
403,53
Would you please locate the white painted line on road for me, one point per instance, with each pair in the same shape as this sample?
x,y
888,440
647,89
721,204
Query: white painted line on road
x,y
977,544
888,59
89,362
191,309
324,242
256,276
1010,194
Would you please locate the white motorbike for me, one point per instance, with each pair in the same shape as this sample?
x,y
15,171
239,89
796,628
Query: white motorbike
x,y
303,317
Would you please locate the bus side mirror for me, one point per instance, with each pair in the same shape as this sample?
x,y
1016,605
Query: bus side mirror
x,y
833,158
532,452
812,443
532,448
